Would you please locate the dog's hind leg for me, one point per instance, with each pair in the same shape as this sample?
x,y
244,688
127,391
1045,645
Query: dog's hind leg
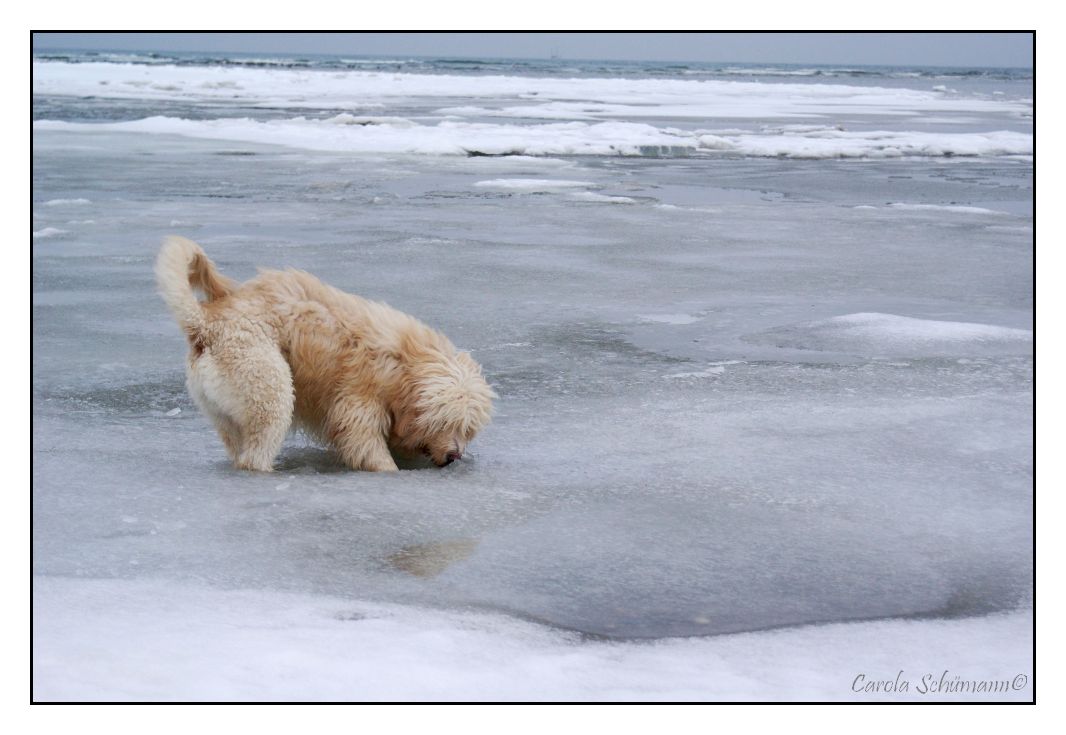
x,y
268,401
230,432
246,389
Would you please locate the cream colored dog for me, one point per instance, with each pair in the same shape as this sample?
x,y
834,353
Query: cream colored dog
x,y
285,347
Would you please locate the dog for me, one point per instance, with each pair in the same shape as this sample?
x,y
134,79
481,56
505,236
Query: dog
x,y
284,349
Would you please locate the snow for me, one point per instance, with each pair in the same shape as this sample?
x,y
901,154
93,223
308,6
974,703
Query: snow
x,y
64,202
670,318
943,208
899,328
451,137
560,98
592,196
146,640
48,232
833,143
715,370
598,117
900,335
533,184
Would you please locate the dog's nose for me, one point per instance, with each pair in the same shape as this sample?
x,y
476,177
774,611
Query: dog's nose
x,y
452,456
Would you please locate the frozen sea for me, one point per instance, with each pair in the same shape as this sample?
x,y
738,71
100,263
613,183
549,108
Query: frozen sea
x,y
762,338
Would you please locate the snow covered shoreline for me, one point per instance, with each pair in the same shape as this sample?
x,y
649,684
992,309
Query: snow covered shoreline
x,y
459,138
559,98
99,640
448,114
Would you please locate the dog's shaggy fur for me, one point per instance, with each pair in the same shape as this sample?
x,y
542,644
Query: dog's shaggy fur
x,y
286,348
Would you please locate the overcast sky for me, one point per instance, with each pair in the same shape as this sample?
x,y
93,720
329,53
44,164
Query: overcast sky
x,y
895,49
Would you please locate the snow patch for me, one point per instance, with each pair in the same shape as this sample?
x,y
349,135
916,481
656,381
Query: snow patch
x,y
533,185
670,318
943,208
144,640
611,138
892,327
64,202
714,370
890,334
48,232
591,196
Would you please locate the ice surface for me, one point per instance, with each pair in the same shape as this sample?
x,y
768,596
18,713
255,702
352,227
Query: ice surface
x,y
755,396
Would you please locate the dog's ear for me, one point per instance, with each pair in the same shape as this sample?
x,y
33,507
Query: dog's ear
x,y
475,367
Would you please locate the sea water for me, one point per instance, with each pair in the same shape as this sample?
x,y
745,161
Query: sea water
x,y
762,337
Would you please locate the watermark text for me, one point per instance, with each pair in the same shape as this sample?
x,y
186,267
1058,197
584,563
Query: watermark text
x,y
945,682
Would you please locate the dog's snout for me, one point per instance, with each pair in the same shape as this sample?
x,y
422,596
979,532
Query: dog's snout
x,y
452,456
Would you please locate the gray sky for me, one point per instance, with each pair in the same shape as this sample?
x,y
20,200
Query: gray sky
x,y
899,49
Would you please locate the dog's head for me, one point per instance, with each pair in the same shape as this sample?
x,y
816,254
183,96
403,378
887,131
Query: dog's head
x,y
447,403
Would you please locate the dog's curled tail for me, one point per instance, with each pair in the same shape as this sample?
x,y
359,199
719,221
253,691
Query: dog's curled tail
x,y
182,266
